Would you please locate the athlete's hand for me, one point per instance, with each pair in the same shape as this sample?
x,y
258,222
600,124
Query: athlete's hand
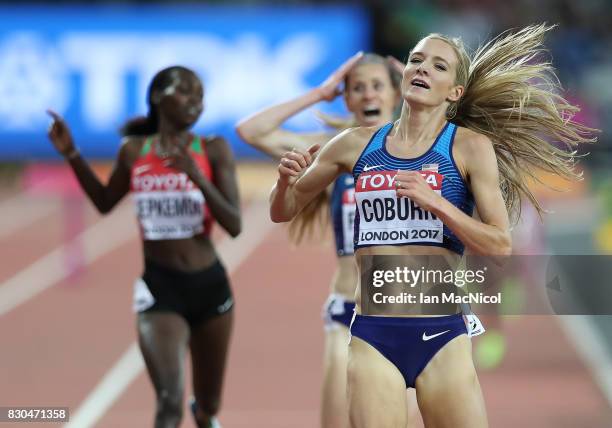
x,y
181,160
60,136
294,163
412,184
330,89
396,64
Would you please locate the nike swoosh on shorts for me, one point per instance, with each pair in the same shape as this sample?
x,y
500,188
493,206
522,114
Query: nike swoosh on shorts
x,y
426,337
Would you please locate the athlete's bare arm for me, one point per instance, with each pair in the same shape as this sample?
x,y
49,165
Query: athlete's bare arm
x,y
491,234
302,176
222,197
103,196
476,160
263,131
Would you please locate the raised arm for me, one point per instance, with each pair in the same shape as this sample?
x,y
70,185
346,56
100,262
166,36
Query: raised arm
x,y
103,196
263,131
303,176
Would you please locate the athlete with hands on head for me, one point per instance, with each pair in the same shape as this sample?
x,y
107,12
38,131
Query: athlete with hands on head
x,y
369,85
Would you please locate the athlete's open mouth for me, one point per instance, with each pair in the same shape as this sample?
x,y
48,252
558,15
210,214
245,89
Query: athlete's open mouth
x,y
371,111
420,83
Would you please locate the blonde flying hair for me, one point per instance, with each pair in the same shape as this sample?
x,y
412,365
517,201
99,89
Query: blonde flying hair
x,y
512,96
312,221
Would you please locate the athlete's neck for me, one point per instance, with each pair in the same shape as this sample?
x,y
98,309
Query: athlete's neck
x,y
169,136
419,124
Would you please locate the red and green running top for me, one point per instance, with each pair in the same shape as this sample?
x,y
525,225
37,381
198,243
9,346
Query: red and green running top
x,y
168,204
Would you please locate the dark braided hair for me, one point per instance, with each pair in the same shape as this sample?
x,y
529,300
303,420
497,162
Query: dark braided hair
x,y
149,124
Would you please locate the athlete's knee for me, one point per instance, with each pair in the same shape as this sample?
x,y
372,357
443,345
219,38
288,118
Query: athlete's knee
x,y
209,405
169,408
204,411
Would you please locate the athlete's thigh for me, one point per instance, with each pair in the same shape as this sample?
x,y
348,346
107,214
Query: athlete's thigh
x,y
163,338
448,390
334,407
376,389
413,416
209,349
336,349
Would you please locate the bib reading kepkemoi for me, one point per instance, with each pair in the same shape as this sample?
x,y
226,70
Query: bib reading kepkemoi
x,y
168,206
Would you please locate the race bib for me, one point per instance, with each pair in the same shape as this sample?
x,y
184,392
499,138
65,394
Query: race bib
x,y
348,219
170,215
386,219
168,205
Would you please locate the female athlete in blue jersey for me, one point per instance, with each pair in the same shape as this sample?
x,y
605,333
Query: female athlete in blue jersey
x,y
471,131
371,94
